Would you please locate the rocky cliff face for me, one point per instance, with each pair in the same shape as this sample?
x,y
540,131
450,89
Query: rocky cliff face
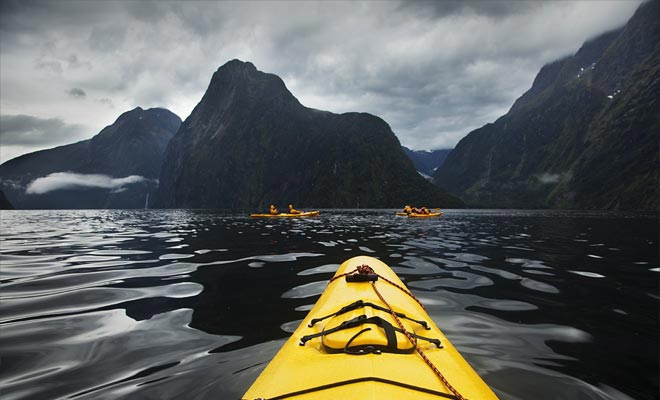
x,y
4,203
117,168
249,143
584,136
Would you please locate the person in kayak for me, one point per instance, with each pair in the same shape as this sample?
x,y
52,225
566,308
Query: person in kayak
x,y
424,210
273,210
407,209
293,210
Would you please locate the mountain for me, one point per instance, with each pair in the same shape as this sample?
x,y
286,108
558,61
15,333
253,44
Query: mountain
x,y
249,143
117,168
4,203
427,161
584,136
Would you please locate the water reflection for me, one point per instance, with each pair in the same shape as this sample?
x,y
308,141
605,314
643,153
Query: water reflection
x,y
193,304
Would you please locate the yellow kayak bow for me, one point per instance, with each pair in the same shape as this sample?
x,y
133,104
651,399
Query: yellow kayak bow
x,y
367,337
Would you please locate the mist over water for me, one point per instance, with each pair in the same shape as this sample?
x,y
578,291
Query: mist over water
x,y
150,304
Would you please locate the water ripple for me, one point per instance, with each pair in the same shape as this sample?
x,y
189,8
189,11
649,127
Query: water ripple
x,y
306,290
100,304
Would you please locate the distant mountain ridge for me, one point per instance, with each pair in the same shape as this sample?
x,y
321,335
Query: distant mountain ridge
x,y
89,173
584,136
250,143
427,161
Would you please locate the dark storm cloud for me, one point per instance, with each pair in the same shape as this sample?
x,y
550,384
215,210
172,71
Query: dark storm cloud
x,y
24,16
434,70
107,38
489,8
28,130
148,11
203,20
77,93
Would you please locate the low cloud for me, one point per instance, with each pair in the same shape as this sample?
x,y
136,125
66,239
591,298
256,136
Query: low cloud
x,y
10,184
69,180
546,178
28,130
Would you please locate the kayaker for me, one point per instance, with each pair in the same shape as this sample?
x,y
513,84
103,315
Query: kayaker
x,y
415,210
424,210
407,209
273,210
293,210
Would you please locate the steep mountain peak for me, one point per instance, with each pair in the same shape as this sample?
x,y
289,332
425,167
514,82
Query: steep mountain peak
x,y
164,117
240,73
161,118
238,65
239,88
140,113
264,88
250,143
130,114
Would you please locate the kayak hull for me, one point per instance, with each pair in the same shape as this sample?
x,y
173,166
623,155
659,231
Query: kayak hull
x,y
430,215
310,371
414,215
287,215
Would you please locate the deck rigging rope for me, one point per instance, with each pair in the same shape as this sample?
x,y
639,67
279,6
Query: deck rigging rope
x,y
365,269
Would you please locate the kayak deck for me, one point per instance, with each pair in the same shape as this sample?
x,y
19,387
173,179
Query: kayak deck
x,y
286,215
322,360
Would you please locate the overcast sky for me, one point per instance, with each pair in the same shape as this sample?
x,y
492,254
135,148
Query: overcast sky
x,y
434,70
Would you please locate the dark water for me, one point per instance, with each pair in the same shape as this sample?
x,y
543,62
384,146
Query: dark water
x,y
193,304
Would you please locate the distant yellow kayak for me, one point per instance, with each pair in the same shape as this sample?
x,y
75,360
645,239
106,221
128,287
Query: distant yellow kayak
x,y
430,215
415,215
286,215
366,338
